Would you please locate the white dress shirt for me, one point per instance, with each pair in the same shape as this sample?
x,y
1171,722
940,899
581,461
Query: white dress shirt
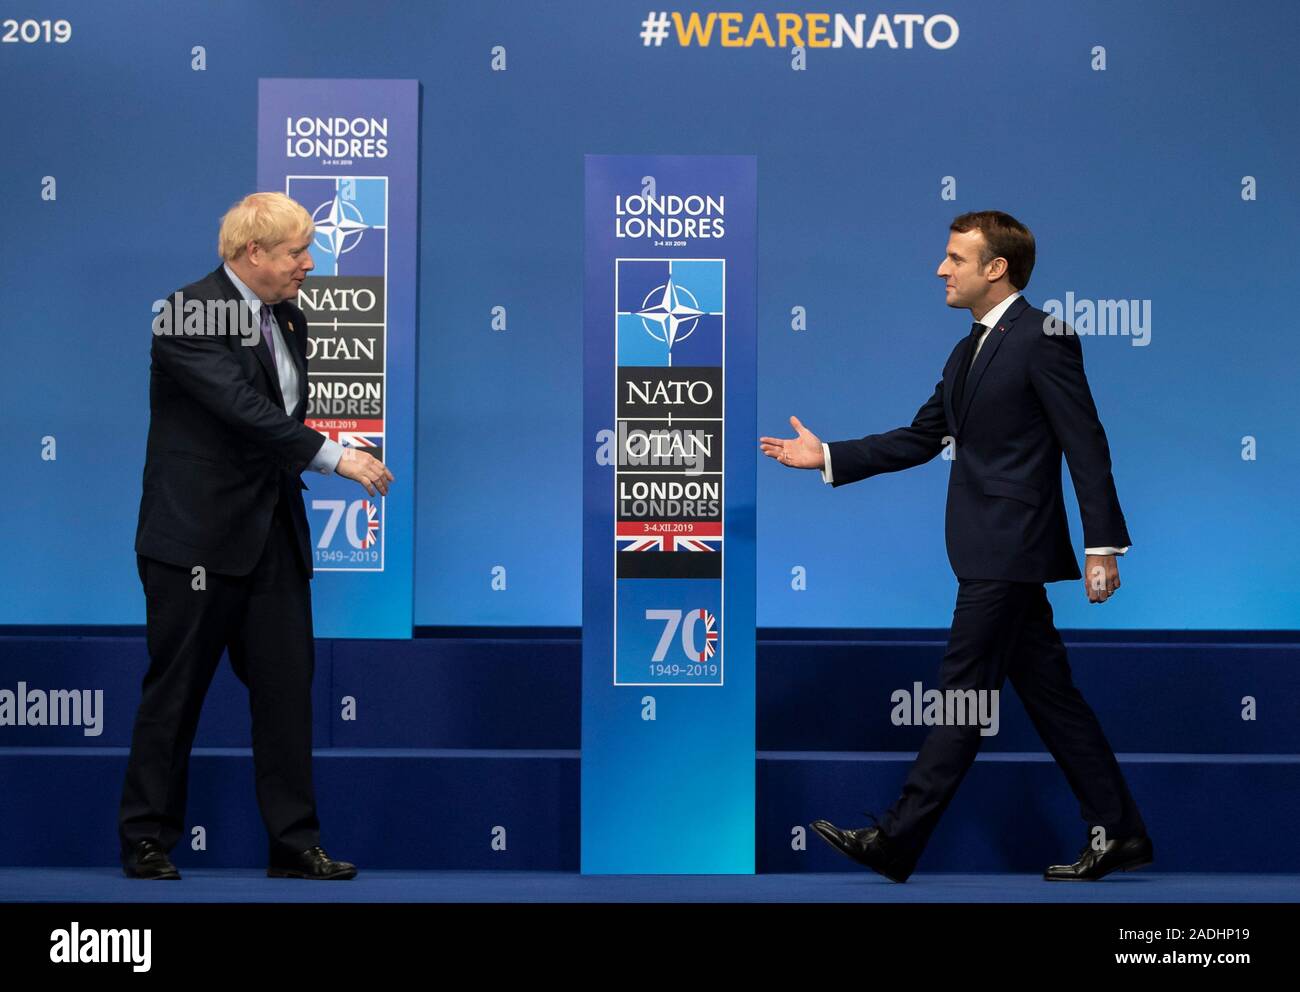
x,y
326,460
989,320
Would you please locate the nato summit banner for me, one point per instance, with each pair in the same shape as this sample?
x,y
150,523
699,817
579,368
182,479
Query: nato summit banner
x,y
347,150
668,515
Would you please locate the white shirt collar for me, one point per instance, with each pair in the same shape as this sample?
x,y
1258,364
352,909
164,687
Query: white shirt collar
x,y
251,298
991,318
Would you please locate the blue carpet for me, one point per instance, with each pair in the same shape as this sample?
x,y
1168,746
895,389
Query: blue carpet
x,y
93,885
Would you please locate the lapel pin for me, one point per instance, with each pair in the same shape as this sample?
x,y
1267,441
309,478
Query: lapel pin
x,y
290,325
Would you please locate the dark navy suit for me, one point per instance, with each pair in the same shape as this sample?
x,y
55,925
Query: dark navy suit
x,y
222,455
222,490
1025,402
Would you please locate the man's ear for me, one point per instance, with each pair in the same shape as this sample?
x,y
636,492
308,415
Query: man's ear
x,y
997,268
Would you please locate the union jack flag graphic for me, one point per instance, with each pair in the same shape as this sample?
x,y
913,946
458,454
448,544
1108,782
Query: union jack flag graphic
x,y
694,536
350,433
358,439
371,537
710,634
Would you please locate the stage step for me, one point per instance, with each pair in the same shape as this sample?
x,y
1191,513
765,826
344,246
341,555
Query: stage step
x,y
1014,811
439,809
816,695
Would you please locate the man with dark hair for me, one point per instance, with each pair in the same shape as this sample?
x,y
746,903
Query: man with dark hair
x,y
1004,237
1012,398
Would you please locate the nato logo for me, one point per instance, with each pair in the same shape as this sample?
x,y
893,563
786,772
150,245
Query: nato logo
x,y
669,312
351,218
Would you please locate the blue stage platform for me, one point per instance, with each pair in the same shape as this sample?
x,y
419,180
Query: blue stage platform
x,y
69,885
458,740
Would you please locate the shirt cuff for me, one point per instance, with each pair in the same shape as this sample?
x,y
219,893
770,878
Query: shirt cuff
x,y
327,459
1107,551
826,464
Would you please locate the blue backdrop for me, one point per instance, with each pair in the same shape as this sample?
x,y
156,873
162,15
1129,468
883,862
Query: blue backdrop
x,y
1131,178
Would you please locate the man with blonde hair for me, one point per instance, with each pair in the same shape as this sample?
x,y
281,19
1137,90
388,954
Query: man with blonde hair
x,y
223,548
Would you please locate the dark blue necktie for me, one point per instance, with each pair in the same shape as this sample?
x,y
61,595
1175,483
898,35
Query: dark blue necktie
x,y
968,356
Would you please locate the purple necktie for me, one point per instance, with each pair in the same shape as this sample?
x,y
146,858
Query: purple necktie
x,y
267,333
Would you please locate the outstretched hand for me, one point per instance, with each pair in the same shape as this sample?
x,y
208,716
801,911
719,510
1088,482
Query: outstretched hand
x,y
801,451
365,469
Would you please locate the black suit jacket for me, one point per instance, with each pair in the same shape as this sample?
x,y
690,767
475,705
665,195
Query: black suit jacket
x,y
1026,401
221,450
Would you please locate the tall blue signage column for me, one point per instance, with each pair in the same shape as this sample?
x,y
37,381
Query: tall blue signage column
x,y
348,151
670,446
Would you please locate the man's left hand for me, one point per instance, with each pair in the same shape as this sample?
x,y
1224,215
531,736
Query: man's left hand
x,y
1100,577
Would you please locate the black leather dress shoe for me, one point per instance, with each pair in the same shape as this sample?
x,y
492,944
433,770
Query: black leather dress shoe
x,y
311,863
1118,855
147,859
867,846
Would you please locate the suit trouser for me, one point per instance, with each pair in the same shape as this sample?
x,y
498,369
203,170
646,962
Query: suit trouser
x,y
264,620
1004,630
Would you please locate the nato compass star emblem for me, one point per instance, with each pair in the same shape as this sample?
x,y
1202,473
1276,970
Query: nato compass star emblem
x,y
670,313
339,222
